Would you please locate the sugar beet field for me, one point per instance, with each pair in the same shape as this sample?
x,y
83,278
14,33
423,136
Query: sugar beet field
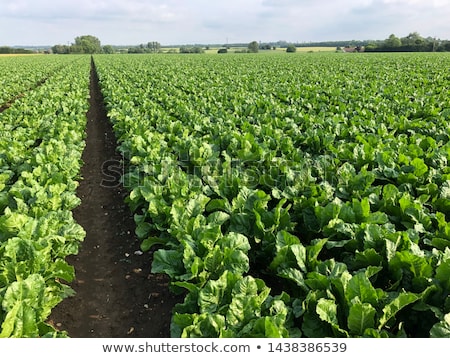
x,y
243,195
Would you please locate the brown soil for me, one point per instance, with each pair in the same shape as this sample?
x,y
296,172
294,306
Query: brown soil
x,y
116,294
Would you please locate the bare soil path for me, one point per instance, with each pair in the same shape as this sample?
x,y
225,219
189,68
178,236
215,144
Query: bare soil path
x,y
116,295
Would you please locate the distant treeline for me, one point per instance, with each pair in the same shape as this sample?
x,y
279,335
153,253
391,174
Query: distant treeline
x,y
414,42
411,43
11,50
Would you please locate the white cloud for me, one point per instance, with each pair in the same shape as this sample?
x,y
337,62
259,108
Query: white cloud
x,y
207,21
86,9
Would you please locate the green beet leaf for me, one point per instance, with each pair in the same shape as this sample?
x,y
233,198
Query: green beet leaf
x,y
25,305
402,300
168,262
327,311
361,288
441,329
361,317
443,274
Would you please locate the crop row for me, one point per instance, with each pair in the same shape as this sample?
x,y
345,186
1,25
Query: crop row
x,y
41,142
22,73
301,196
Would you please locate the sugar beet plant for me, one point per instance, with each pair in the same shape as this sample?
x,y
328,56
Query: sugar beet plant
x,y
41,142
291,196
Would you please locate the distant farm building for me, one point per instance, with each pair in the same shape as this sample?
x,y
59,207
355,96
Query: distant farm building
x,y
351,49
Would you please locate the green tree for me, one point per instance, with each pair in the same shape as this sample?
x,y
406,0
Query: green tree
x,y
371,47
87,44
61,49
253,47
291,48
108,49
413,39
10,50
195,49
76,49
393,42
154,46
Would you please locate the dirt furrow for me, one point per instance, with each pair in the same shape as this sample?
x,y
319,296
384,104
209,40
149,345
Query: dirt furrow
x,y
116,295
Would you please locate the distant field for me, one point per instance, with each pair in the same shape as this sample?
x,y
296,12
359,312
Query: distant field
x,y
10,54
280,49
316,49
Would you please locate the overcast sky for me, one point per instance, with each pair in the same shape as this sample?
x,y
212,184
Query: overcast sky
x,y
170,22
